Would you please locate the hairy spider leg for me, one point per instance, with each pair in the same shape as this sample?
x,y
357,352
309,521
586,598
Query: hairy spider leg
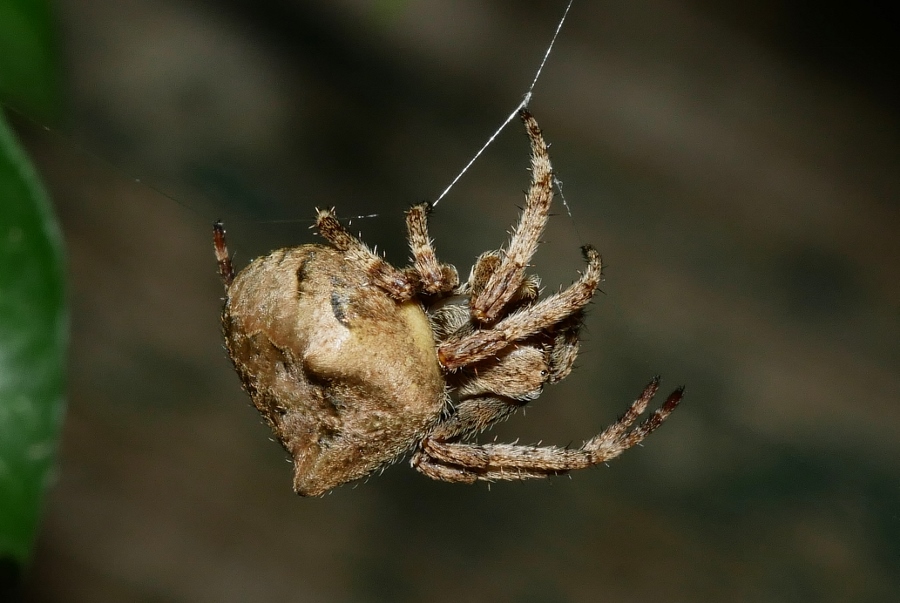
x,y
460,462
435,277
485,400
226,269
486,305
472,347
396,283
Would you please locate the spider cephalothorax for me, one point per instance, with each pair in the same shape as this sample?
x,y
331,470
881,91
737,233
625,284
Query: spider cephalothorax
x,y
354,362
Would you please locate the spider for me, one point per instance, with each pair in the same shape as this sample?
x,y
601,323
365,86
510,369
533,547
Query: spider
x,y
354,363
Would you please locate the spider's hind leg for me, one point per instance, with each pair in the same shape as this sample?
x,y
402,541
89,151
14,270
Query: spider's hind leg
x,y
435,277
397,283
503,283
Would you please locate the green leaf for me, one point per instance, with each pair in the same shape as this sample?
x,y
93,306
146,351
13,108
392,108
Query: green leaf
x,y
29,67
33,339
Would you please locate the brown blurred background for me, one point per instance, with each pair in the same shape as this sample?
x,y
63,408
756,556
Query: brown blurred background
x,y
736,165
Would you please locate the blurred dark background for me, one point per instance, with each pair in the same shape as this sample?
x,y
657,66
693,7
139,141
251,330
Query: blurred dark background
x,y
737,165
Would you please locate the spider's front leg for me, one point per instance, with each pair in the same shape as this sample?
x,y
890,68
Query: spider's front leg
x,y
504,281
461,462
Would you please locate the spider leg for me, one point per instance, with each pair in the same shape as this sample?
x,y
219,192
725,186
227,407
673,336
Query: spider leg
x,y
486,265
435,277
428,466
397,283
565,350
226,269
461,462
504,281
471,416
472,347
497,388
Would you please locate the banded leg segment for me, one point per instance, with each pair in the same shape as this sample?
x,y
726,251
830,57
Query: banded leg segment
x,y
480,344
504,282
435,277
226,268
397,283
461,462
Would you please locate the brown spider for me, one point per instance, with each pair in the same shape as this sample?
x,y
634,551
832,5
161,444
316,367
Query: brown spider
x,y
352,362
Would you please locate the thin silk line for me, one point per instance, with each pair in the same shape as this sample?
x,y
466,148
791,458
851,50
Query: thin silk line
x,y
522,104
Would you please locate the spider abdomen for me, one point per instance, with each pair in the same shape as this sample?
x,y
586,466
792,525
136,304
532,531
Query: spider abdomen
x,y
346,376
